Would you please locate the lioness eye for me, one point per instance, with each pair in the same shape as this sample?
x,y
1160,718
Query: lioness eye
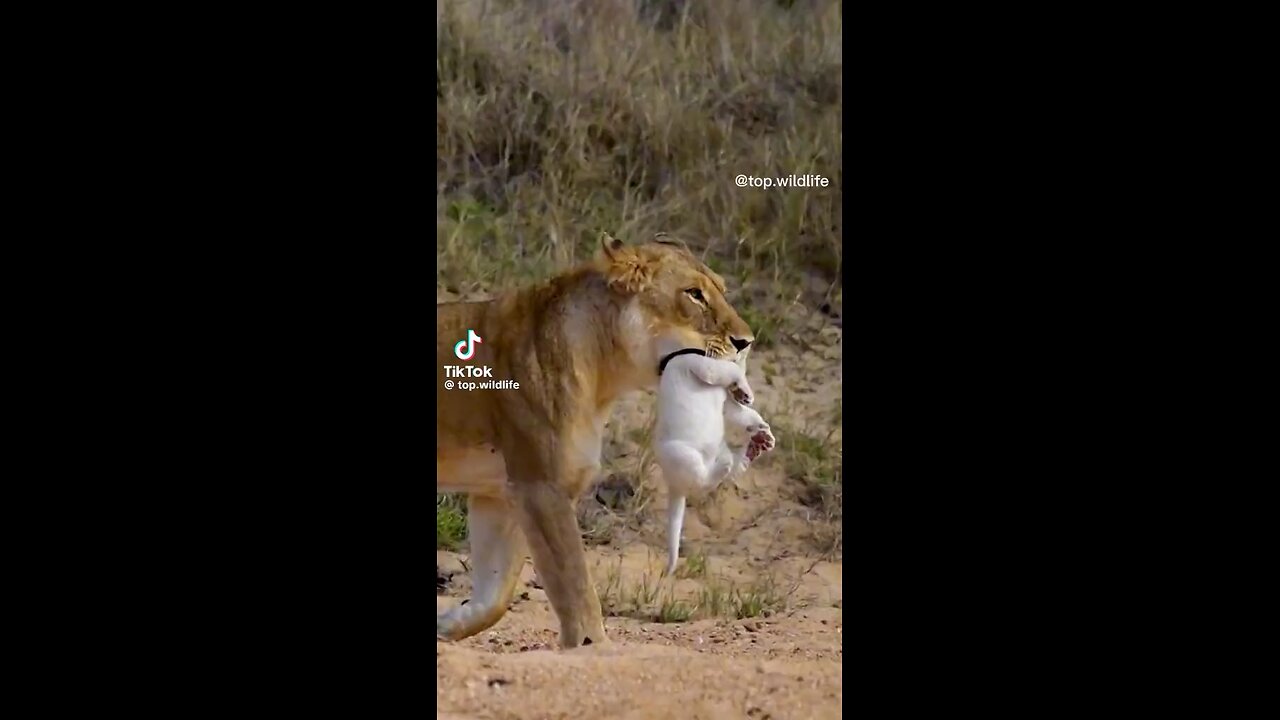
x,y
696,294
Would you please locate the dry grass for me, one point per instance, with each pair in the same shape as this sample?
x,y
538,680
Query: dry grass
x,y
561,118
674,611
597,523
693,566
814,461
810,456
653,597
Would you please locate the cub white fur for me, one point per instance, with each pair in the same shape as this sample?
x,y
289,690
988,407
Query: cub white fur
x,y
689,439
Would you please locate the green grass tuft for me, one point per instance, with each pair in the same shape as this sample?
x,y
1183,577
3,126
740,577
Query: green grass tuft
x,y
673,611
451,521
694,566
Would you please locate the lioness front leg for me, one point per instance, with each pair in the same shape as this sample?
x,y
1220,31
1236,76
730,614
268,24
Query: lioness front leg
x,y
550,526
497,555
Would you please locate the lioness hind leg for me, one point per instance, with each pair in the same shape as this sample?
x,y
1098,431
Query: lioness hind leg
x,y
551,529
497,555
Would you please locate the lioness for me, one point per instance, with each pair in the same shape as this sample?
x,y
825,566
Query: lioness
x,y
575,344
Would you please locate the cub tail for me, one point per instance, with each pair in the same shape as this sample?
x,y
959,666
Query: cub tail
x,y
675,523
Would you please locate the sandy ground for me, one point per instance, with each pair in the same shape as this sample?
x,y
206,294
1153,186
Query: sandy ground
x,y
756,538
782,668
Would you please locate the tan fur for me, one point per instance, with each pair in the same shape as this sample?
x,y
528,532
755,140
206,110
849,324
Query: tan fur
x,y
575,343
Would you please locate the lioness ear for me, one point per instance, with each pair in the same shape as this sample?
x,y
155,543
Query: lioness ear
x,y
611,246
623,266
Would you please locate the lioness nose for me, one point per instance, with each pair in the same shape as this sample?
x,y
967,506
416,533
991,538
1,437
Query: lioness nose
x,y
739,343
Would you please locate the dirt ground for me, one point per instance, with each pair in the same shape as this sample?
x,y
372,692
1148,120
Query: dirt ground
x,y
754,617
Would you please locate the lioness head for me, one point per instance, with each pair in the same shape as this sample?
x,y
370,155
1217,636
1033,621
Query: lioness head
x,y
680,300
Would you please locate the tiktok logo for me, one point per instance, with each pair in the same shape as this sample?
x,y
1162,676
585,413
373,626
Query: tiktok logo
x,y
466,350
470,342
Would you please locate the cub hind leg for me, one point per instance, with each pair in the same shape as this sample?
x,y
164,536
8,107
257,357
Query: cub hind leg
x,y
685,472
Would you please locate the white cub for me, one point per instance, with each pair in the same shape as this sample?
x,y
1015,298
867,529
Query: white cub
x,y
689,438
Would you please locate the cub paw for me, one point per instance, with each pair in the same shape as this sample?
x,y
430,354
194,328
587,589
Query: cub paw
x,y
762,442
740,393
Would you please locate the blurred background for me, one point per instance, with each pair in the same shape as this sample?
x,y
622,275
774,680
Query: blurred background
x,y
556,119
